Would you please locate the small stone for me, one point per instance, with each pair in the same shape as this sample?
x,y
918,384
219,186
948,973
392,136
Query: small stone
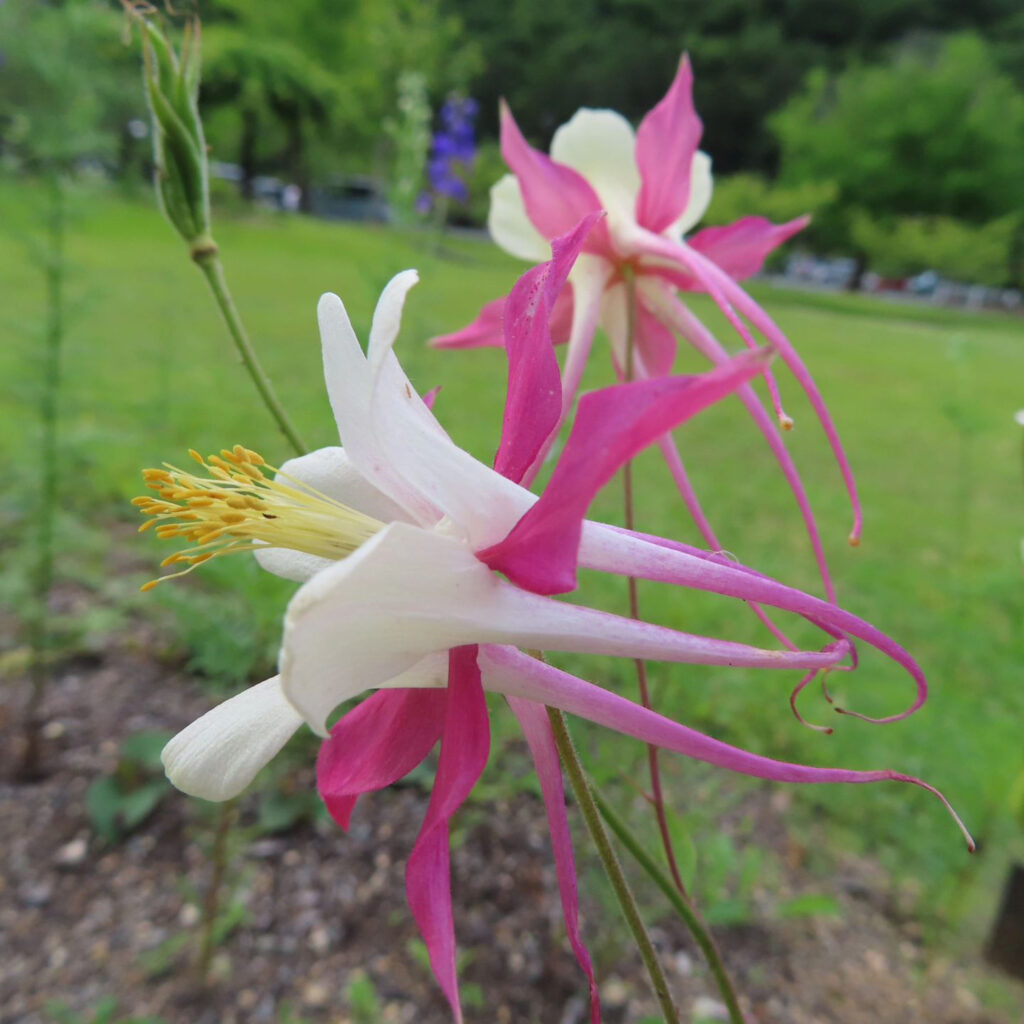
x,y
320,940
614,992
72,854
188,916
315,994
875,961
291,858
684,963
247,998
37,895
53,730
705,1008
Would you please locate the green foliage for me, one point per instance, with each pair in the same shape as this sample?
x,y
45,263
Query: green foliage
x,y
120,802
102,1013
549,58
938,129
278,70
69,83
228,639
742,195
961,251
488,168
409,132
361,996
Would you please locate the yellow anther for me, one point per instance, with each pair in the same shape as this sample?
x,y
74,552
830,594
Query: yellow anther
x,y
237,502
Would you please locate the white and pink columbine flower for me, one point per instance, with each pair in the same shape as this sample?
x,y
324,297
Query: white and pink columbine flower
x,y
399,537
655,185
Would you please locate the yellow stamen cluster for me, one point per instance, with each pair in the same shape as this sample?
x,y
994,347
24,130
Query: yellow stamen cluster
x,y
235,503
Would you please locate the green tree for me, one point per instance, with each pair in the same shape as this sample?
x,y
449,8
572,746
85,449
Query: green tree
x,y
938,129
70,86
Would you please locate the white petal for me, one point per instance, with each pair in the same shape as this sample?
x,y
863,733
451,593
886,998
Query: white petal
x,y
601,145
330,472
218,755
387,318
700,195
394,441
509,225
408,593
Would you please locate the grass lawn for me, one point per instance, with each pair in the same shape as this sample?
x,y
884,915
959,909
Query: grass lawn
x,y
924,404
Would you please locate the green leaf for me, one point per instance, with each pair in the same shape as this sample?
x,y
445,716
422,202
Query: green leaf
x,y
145,747
685,848
103,801
138,805
809,904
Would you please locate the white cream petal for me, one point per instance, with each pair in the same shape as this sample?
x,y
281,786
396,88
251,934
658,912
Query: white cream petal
x,y
409,593
701,185
510,227
601,145
395,442
218,755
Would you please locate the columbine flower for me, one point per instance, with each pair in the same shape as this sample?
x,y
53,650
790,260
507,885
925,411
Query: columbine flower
x,y
397,536
655,185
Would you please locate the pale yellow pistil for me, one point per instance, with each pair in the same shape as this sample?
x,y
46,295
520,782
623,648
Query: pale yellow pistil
x,y
236,505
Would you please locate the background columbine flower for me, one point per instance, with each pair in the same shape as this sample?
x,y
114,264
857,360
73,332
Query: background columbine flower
x,y
655,185
402,596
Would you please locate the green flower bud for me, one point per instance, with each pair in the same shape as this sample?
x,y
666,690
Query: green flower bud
x,y
179,148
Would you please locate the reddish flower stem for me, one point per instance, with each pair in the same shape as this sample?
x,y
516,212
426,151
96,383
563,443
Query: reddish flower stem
x,y
634,611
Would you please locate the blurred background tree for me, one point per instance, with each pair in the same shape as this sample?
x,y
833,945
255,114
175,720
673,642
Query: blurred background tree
x,y
898,123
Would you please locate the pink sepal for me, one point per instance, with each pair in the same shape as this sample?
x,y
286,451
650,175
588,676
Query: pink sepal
x,y
377,743
486,331
541,740
514,673
611,426
556,197
666,142
464,749
533,403
741,248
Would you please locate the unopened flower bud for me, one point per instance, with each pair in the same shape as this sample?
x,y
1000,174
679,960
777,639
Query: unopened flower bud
x,y
179,148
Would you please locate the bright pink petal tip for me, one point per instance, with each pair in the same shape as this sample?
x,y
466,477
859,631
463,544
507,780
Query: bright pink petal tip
x,y
827,730
556,197
741,248
512,672
541,740
533,403
611,426
464,750
486,331
727,295
666,142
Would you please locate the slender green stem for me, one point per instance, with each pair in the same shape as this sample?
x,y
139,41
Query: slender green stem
x,y
208,261
658,798
613,869
211,901
692,919
39,633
